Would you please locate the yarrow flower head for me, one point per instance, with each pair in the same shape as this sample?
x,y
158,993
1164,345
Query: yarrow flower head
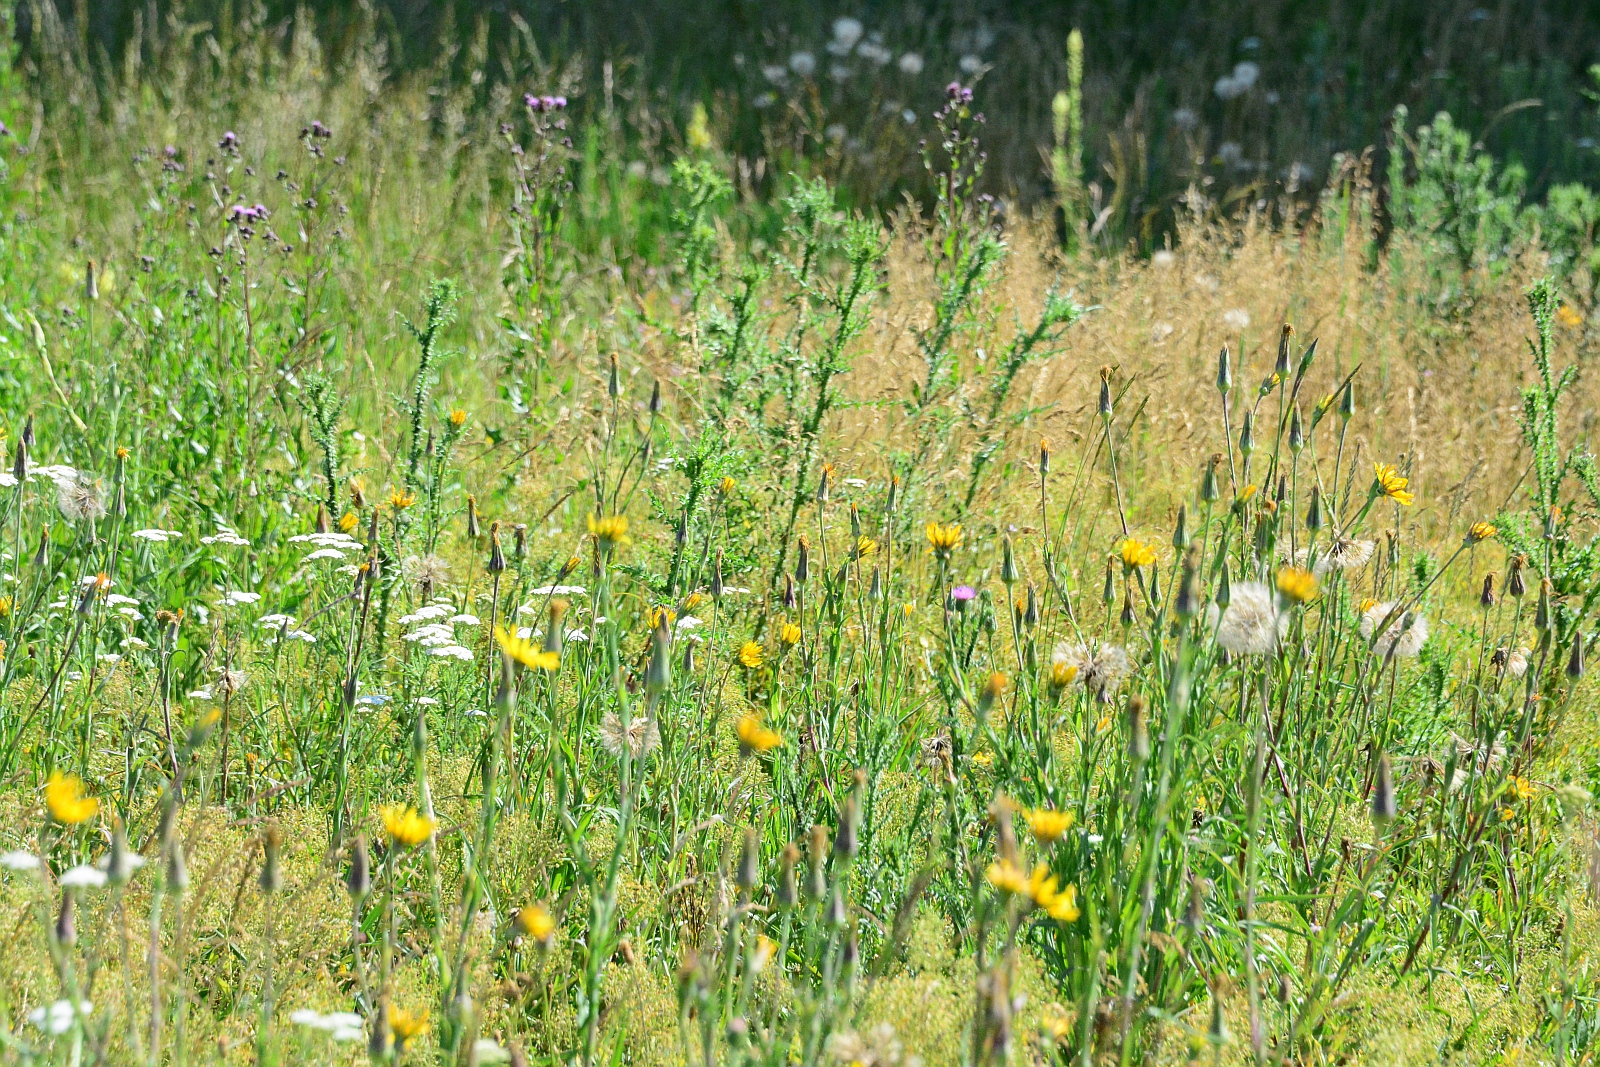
x,y
1387,481
1252,625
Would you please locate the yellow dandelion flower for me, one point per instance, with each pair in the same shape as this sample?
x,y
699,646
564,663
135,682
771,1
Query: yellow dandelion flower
x,y
1366,605
406,828
1062,674
5,606
1136,553
727,485
865,546
1388,481
692,601
1049,826
1480,532
348,521
525,652
610,532
536,923
789,635
400,499
458,417
1246,493
63,796
1297,584
1007,877
908,609
1568,317
1521,788
754,737
406,1026
1103,727
1063,905
944,537
752,655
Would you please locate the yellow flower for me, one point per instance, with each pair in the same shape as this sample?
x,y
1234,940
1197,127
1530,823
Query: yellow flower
x,y
1062,674
609,532
458,417
865,546
406,828
400,499
5,606
1103,727
1007,877
789,634
754,737
1136,553
535,922
727,485
1246,493
1521,788
1388,481
1048,826
994,687
1366,605
348,521
406,1026
908,609
662,617
1568,317
1480,532
1297,584
751,655
1507,814
1062,904
525,652
762,955
63,796
944,538
692,601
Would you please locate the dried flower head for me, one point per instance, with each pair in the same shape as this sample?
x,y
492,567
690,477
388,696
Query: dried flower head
x,y
80,498
1098,666
638,740
1404,635
1252,624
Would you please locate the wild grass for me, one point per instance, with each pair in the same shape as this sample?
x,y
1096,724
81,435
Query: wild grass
x,y
517,610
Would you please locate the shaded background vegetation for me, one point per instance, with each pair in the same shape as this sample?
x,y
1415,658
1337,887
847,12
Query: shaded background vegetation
x,y
1327,78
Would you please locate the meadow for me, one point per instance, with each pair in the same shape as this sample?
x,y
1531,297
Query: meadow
x,y
489,586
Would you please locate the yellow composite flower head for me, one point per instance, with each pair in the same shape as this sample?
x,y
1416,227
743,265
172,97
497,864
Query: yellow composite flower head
x,y
1007,877
789,634
536,923
1388,481
348,521
865,546
944,537
727,485
400,499
63,796
523,651
609,531
1136,553
1568,317
752,655
405,826
1062,674
1062,904
458,417
1297,584
1480,532
406,1026
1048,826
1521,788
754,737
